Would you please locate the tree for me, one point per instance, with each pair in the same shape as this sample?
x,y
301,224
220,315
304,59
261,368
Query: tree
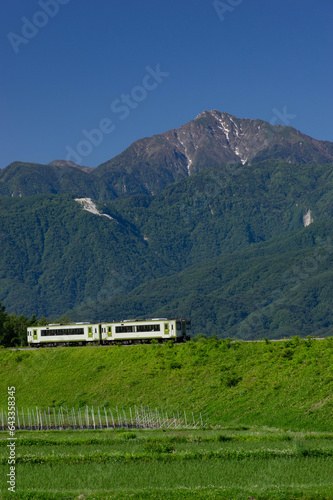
x,y
13,329
3,317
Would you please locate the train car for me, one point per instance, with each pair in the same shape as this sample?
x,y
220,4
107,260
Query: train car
x,y
64,335
136,331
122,332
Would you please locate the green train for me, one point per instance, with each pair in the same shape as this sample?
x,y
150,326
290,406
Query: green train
x,y
122,332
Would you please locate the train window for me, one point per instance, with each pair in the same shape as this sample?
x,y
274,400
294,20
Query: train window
x,y
178,325
148,328
62,331
124,329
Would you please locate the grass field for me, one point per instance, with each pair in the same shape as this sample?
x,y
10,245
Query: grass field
x,y
269,408
222,463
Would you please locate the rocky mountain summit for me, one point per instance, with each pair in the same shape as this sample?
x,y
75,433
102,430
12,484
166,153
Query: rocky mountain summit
x,y
212,139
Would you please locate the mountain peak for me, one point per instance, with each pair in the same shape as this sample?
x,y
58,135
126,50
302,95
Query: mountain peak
x,y
214,113
67,163
213,138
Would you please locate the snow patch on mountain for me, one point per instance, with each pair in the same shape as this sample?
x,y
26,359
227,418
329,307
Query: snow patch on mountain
x,y
233,134
189,160
223,126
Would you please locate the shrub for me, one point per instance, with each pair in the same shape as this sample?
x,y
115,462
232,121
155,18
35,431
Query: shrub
x,y
156,446
174,364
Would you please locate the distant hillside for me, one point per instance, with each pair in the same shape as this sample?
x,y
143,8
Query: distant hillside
x,y
64,163
55,255
26,179
276,289
215,251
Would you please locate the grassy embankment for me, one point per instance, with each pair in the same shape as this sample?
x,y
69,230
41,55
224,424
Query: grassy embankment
x,y
286,384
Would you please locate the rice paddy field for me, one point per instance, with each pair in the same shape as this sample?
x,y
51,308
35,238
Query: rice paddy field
x,y
229,463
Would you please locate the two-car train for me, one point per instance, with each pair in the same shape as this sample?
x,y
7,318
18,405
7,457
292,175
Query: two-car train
x,y
122,332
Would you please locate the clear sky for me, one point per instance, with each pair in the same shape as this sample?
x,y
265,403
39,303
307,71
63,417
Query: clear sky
x,y
134,68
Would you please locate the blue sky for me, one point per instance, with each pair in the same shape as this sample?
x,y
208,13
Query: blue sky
x,y
88,78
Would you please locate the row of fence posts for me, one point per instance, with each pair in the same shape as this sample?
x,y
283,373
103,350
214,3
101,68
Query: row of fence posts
x,y
101,418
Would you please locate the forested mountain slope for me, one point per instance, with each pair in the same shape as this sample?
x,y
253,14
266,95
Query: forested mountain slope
x,y
241,246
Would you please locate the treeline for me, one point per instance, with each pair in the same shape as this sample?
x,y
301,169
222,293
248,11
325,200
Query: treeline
x,y
13,328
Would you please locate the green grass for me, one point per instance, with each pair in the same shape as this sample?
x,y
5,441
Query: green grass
x,y
71,443
270,433
285,385
267,473
254,463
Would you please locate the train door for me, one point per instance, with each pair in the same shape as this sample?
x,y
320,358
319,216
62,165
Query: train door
x,y
166,328
34,334
90,332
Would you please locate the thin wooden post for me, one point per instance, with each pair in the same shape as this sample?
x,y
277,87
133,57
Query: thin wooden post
x,y
49,415
112,418
87,417
93,416
99,418
125,420
79,418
